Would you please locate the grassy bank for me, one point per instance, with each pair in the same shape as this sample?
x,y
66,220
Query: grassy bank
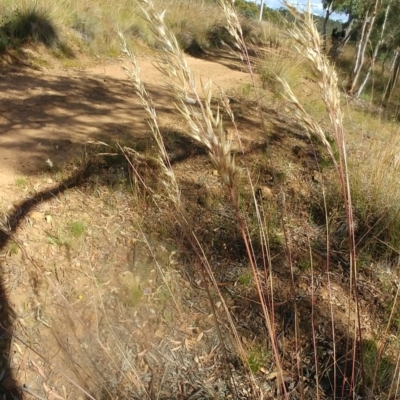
x,y
92,26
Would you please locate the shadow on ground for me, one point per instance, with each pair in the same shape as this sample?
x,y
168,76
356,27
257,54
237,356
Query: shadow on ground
x,y
8,386
226,58
44,116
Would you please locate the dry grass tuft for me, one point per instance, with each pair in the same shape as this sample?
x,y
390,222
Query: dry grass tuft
x,y
205,127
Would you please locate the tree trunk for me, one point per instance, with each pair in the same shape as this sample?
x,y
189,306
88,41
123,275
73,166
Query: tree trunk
x,y
362,46
376,51
261,10
384,62
328,13
361,42
337,44
395,55
393,77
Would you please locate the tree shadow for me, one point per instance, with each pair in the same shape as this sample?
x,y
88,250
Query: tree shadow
x,y
8,386
227,58
180,147
49,117
94,166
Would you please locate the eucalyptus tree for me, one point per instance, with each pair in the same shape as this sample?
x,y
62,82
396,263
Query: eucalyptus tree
x,y
361,23
381,33
371,9
355,11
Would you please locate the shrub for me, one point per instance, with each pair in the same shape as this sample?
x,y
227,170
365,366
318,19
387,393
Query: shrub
x,y
31,24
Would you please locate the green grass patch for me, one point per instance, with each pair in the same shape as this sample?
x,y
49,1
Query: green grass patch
x,y
27,24
57,240
245,279
13,248
257,358
21,182
379,368
134,296
76,229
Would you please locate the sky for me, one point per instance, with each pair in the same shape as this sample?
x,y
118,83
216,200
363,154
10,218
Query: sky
x,y
316,7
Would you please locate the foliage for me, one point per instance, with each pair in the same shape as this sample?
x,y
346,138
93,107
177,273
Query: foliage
x,y
257,358
247,9
76,228
379,370
392,36
354,7
29,24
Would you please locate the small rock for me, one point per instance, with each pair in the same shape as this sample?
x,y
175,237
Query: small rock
x,y
8,382
266,192
49,180
205,200
317,177
48,218
37,216
215,172
269,177
147,291
127,279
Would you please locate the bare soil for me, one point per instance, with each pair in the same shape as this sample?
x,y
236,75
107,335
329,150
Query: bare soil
x,y
48,114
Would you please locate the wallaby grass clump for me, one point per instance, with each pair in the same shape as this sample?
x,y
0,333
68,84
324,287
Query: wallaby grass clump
x,y
30,24
21,182
288,65
76,228
376,191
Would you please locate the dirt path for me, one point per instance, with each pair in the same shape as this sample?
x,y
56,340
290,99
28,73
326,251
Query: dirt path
x,y
49,115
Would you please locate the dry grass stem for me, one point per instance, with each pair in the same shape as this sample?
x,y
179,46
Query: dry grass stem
x,y
205,126
308,41
133,72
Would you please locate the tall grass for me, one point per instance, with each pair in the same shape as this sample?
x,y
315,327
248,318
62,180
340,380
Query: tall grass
x,y
205,126
92,25
285,63
376,192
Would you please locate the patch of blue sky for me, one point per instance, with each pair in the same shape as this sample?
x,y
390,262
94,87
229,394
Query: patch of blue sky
x,y
316,7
